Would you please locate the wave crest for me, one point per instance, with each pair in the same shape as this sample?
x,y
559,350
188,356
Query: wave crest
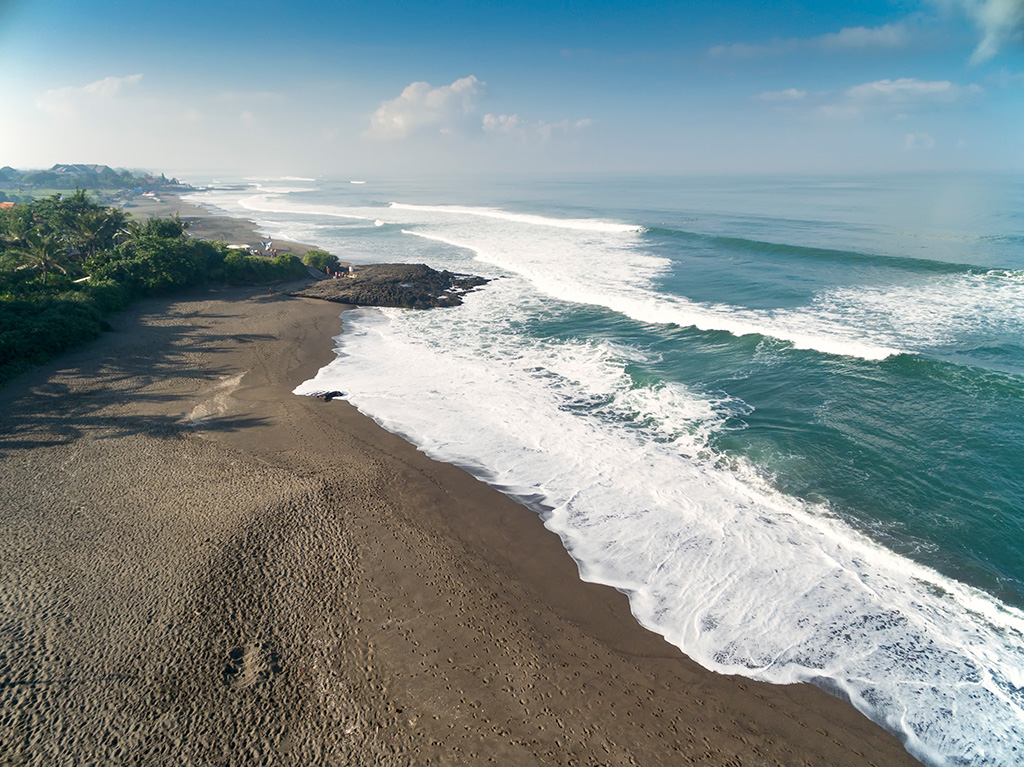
x,y
578,224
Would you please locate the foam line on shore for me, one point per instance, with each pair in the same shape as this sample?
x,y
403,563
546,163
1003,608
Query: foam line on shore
x,y
647,510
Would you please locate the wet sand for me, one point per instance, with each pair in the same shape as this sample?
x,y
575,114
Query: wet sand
x,y
201,568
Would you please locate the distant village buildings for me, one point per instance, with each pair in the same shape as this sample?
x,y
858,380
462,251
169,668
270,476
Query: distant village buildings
x,y
110,185
83,169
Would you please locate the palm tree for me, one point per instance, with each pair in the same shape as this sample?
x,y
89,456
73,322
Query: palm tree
x,y
129,230
41,251
14,228
96,229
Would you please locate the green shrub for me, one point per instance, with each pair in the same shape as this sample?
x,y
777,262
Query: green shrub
x,y
322,260
110,296
34,331
149,265
241,268
289,267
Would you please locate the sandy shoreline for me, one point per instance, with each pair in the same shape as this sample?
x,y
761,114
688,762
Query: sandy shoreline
x,y
204,225
202,568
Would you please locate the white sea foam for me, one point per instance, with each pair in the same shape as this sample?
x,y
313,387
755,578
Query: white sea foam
x,y
604,263
271,203
610,268
939,311
639,500
627,478
261,179
579,224
276,190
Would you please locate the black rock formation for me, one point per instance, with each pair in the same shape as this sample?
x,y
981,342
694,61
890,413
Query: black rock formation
x,y
409,286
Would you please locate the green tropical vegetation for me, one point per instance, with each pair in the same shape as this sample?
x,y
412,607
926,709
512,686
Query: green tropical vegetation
x,y
67,262
322,260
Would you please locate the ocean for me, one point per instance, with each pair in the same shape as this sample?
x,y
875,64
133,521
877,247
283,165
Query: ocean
x,y
784,415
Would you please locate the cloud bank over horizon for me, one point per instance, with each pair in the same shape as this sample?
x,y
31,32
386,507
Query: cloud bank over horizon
x,y
69,100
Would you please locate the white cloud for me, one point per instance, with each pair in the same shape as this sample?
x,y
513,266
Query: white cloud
x,y
422,108
909,90
889,36
532,132
790,94
502,123
109,86
918,141
68,101
1001,23
564,127
896,98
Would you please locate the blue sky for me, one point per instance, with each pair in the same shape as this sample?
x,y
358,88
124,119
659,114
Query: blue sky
x,y
388,87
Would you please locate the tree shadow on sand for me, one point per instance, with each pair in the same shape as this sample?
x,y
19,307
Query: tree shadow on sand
x,y
92,392
43,431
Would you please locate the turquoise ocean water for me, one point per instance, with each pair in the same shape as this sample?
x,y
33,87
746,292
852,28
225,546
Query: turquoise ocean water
x,y
785,415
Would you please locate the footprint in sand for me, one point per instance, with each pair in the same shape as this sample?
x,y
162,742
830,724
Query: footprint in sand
x,y
251,664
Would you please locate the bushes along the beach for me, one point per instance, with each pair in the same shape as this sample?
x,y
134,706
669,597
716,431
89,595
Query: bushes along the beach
x,y
242,268
32,331
66,262
322,260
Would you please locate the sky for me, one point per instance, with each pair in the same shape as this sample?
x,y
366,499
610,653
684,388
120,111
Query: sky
x,y
393,86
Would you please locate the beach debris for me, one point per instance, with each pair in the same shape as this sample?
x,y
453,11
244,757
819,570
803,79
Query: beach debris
x,y
327,396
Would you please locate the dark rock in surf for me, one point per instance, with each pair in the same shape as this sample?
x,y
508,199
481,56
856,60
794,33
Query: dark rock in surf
x,y
408,286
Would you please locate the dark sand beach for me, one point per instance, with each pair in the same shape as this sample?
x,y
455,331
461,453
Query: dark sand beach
x,y
201,568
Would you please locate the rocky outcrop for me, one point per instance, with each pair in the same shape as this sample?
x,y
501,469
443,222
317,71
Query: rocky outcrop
x,y
410,286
